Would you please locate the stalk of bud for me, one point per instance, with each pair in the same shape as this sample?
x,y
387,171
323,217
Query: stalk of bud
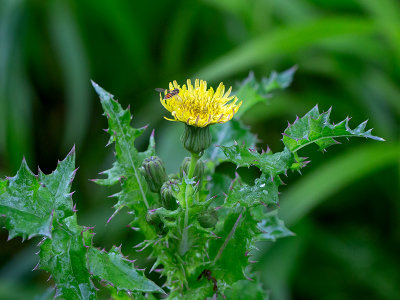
x,y
198,171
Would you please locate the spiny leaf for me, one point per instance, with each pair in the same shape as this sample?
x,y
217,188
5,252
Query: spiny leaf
x,y
272,227
122,295
225,135
199,290
59,185
278,81
64,257
270,164
128,159
315,127
28,206
30,202
235,234
263,192
115,269
245,289
254,92
218,185
262,199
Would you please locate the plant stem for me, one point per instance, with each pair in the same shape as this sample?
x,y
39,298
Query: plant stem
x,y
193,163
188,187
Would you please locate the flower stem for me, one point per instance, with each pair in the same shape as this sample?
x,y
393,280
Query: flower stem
x,y
188,188
193,162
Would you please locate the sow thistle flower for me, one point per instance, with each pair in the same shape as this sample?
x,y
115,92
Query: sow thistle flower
x,y
199,107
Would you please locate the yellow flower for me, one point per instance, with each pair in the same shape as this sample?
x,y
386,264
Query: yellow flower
x,y
198,106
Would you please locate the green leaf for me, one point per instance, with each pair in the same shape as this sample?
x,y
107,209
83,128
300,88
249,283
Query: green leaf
x,y
64,256
263,192
59,184
270,164
117,270
245,289
316,128
225,135
27,206
272,227
262,199
30,202
278,81
252,91
234,240
120,295
128,159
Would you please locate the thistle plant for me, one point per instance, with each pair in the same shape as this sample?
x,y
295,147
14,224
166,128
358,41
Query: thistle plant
x,y
202,226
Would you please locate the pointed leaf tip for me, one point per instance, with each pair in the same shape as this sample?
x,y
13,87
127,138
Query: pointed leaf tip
x,y
315,127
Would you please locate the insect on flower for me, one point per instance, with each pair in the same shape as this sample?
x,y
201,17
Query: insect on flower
x,y
199,106
169,93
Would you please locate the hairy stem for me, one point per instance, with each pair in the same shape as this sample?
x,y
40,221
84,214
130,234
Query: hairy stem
x,y
188,187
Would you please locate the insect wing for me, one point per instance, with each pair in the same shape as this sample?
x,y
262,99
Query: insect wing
x,y
160,90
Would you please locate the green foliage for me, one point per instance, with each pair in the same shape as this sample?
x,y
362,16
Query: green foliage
x,y
195,242
225,135
114,268
244,289
64,257
315,128
41,205
348,56
270,164
125,170
23,218
254,92
30,203
260,91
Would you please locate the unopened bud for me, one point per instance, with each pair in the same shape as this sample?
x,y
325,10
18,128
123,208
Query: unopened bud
x,y
153,171
208,219
153,218
169,191
196,139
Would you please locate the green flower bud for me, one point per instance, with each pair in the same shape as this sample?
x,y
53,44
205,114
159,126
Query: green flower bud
x,y
173,176
153,171
153,218
169,191
196,139
198,171
208,219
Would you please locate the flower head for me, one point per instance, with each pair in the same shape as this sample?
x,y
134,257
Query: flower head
x,y
198,106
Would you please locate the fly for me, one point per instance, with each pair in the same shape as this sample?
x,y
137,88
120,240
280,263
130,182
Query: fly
x,y
169,93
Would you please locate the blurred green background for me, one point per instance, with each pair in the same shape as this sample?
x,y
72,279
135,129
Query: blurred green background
x,y
345,208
